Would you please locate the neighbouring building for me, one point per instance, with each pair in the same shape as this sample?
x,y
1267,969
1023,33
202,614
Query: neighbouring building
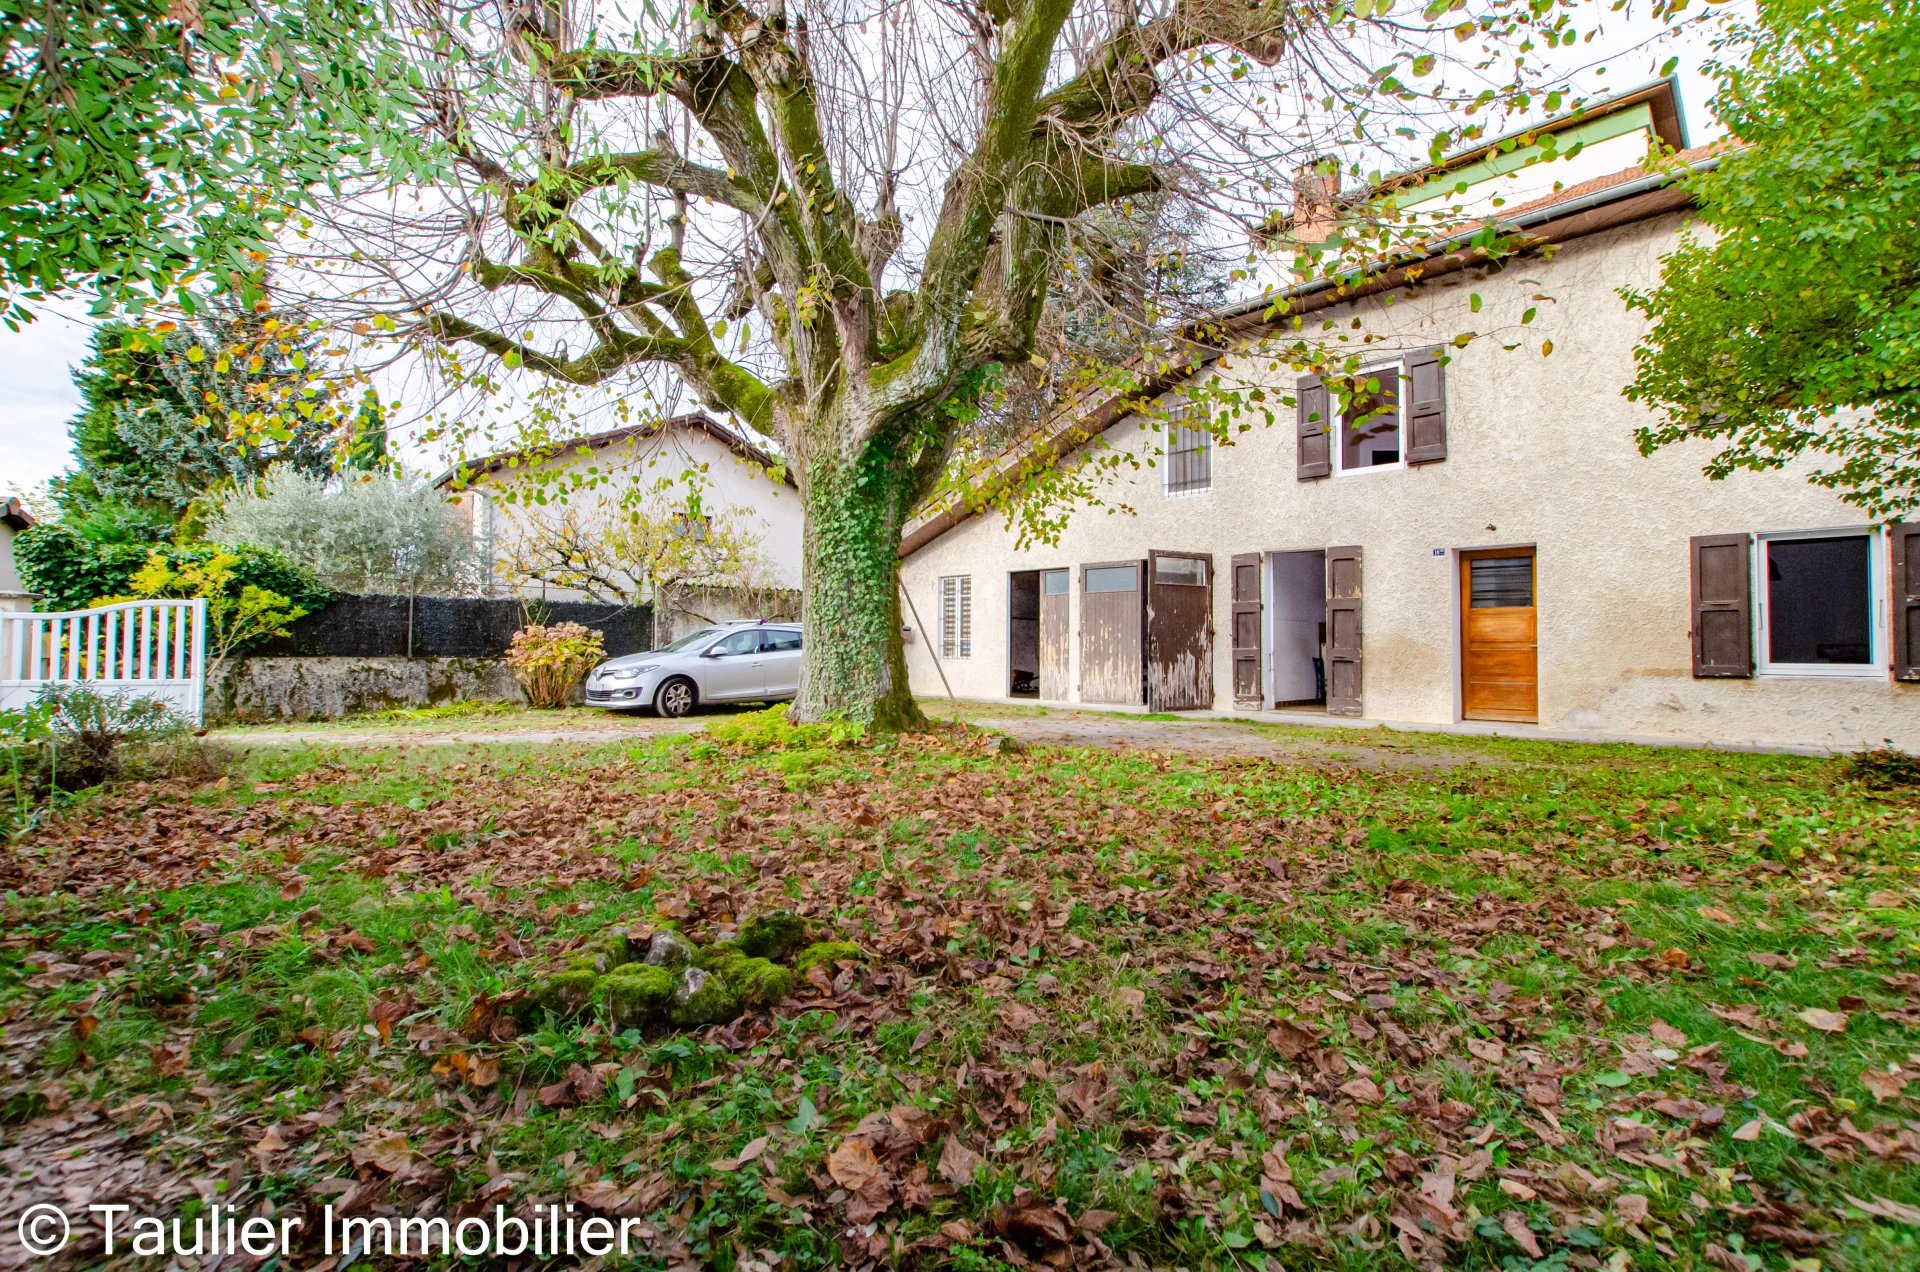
x,y
13,594
552,506
1481,541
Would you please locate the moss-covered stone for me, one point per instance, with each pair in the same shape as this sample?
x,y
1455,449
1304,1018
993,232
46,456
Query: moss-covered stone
x,y
636,995
701,998
671,950
774,935
826,954
757,981
563,994
602,954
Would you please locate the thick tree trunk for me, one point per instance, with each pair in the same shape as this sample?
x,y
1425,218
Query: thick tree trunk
x,y
855,667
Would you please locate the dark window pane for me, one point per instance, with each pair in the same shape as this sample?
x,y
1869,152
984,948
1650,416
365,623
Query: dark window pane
x,y
1819,601
1113,578
1500,582
1370,426
1187,571
782,639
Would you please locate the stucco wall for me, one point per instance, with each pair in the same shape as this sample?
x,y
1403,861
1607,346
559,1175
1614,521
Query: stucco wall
x,y
733,488
1540,452
9,572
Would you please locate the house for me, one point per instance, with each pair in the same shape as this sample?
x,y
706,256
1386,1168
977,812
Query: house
x,y
14,518
540,516
1478,541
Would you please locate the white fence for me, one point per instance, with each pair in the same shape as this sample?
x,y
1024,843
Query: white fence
x,y
135,649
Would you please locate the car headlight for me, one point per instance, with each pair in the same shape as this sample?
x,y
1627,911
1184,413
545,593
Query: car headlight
x,y
632,673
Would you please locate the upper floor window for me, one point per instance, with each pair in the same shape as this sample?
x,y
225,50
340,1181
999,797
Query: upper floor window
x,y
1370,427
1189,459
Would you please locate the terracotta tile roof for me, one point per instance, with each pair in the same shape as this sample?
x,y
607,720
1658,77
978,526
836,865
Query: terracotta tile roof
x,y
1567,194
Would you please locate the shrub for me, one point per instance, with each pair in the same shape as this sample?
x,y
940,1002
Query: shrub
x,y
72,738
239,615
71,571
549,661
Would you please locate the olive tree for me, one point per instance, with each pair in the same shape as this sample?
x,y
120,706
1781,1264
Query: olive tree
x,y
843,221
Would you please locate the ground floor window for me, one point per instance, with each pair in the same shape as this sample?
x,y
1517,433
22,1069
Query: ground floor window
x,y
1818,595
956,616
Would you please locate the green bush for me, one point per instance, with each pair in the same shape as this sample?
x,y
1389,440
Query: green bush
x,y
71,571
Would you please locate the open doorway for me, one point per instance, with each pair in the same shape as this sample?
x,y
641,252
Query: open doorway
x,y
1297,629
1023,634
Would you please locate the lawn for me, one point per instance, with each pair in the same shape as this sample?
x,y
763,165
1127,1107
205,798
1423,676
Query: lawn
x,y
1552,1007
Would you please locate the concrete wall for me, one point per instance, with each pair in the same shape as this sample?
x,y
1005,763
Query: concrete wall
x,y
264,689
730,487
1540,452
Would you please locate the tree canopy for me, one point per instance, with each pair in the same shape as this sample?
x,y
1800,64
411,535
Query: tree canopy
x,y
1791,326
169,419
144,140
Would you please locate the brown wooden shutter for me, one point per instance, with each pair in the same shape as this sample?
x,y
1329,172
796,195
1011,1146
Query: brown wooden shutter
x,y
1904,539
1722,605
1314,438
1426,390
1247,688
1343,631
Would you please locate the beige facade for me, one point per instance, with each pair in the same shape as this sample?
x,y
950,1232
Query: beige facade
x,y
1540,453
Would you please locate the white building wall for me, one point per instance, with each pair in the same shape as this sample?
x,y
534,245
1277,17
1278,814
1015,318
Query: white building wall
x,y
1541,452
733,487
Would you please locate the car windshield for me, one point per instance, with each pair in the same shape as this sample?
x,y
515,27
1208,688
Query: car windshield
x,y
690,640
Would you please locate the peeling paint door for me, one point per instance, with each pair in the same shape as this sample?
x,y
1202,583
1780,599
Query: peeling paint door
x,y
1055,632
1343,631
1179,631
1112,626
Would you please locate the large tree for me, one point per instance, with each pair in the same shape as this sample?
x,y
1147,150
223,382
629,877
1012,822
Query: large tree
x,y
842,224
1791,326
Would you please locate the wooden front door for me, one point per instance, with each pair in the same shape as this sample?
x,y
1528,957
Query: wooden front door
x,y
1499,661
1055,632
1179,631
1112,624
1249,687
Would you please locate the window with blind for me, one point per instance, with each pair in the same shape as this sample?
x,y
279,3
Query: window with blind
x,y
956,616
1189,460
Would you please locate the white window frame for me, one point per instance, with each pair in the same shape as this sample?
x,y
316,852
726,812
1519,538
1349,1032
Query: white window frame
x,y
1338,449
956,645
1878,648
1169,435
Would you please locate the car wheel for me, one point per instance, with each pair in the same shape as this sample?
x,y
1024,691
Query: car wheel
x,y
675,699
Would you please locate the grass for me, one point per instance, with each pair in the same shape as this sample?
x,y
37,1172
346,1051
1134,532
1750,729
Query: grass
x,y
1572,1006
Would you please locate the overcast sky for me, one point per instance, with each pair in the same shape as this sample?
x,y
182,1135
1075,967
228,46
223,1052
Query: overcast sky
x,y
37,397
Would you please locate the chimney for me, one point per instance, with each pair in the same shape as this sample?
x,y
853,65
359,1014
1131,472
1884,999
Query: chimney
x,y
1316,185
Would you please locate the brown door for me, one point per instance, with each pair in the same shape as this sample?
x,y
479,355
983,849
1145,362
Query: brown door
x,y
1179,631
1054,633
1499,662
1112,624
1248,689
1343,631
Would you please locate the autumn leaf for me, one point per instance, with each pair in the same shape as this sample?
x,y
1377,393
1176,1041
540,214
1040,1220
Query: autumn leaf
x,y
853,1165
1822,1019
387,1153
958,1162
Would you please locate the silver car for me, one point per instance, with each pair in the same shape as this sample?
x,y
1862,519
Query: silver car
x,y
733,662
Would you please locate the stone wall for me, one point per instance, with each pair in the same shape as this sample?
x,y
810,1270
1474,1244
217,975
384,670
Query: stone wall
x,y
269,689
